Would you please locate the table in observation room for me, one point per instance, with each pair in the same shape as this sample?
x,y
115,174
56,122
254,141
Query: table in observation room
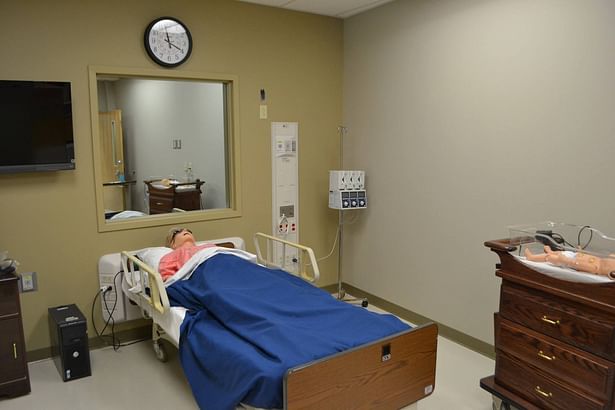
x,y
185,196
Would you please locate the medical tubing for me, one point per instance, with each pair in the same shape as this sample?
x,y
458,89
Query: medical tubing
x,y
556,235
337,233
591,236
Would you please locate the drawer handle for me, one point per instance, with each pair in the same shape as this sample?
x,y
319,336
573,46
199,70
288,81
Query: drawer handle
x,y
550,321
15,350
543,393
158,203
544,356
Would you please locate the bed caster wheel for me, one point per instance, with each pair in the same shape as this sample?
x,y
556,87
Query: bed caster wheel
x,y
364,303
161,352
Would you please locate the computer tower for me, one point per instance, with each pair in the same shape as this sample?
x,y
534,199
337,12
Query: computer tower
x,y
68,331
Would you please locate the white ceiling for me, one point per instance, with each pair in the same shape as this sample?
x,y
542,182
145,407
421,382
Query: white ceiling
x,y
335,8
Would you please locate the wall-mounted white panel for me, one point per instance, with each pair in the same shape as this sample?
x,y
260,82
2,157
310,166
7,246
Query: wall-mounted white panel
x,y
285,188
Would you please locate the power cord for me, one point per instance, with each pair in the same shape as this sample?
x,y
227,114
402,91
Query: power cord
x,y
591,236
115,341
337,235
560,238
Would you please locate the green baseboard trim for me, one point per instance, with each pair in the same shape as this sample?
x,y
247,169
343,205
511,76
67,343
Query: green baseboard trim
x,y
145,332
126,336
448,332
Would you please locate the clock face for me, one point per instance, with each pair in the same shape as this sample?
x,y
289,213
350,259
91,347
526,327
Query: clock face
x,y
168,42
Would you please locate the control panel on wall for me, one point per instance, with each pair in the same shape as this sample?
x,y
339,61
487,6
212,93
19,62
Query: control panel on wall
x,y
285,189
347,190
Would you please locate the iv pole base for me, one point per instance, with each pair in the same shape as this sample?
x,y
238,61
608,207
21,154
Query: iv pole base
x,y
341,295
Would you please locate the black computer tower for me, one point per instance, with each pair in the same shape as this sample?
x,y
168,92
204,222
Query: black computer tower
x,y
68,330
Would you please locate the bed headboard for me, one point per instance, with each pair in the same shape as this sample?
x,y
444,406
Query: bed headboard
x,y
230,242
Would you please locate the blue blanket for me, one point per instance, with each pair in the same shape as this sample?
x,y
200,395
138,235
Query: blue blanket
x,y
246,325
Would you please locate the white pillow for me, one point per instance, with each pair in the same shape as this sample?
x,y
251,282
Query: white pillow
x,y
152,256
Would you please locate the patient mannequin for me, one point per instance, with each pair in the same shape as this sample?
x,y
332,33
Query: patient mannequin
x,y
576,260
184,246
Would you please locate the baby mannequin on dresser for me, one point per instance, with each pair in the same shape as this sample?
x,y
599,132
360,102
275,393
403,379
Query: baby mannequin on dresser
x,y
576,260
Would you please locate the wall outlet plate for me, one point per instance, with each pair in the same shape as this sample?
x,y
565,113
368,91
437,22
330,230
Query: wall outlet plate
x,y
28,282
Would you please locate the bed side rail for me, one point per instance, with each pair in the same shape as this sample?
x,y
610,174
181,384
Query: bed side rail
x,y
149,278
306,264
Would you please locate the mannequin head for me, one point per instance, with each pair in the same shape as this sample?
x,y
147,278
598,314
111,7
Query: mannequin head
x,y
178,237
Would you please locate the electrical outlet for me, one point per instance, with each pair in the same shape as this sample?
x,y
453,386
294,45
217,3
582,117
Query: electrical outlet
x,y
28,282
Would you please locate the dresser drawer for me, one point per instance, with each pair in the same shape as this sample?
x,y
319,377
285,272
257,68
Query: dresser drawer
x,y
9,301
586,328
561,362
159,204
539,389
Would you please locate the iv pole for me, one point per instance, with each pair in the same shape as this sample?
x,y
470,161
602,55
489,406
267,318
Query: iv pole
x,y
341,293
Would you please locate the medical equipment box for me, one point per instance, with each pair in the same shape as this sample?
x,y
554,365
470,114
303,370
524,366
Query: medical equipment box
x,y
347,199
68,330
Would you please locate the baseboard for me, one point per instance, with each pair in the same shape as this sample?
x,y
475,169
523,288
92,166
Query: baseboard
x,y
128,335
451,334
145,332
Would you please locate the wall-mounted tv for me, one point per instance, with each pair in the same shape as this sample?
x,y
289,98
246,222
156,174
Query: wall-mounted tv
x,y
36,126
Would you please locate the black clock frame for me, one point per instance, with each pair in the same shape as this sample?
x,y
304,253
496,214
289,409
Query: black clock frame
x,y
151,53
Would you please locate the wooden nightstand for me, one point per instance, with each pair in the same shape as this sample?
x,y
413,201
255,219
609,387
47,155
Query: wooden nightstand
x,y
182,195
554,339
14,378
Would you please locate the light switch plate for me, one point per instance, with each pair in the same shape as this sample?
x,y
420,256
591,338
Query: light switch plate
x,y
263,112
28,282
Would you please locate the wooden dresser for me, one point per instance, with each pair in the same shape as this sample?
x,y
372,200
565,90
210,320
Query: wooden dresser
x,y
554,339
14,378
185,196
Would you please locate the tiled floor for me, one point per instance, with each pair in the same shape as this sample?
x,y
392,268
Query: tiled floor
x,y
132,378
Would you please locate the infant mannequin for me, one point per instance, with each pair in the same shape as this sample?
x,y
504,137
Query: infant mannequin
x,y
576,260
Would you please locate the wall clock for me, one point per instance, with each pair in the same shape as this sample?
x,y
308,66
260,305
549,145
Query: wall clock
x,y
168,41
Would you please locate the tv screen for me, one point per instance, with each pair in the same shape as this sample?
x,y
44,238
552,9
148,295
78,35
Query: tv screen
x,y
36,126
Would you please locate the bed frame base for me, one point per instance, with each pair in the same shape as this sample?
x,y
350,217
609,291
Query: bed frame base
x,y
365,377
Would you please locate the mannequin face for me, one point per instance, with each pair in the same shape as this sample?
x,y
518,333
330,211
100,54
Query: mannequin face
x,y
183,238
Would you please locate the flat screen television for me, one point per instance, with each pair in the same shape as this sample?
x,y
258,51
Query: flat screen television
x,y
36,126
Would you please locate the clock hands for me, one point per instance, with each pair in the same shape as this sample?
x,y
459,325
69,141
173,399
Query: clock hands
x,y
167,33
171,44
168,40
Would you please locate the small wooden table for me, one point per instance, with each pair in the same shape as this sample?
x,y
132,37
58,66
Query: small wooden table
x,y
185,196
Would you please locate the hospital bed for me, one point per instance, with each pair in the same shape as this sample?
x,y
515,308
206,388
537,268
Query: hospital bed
x,y
392,372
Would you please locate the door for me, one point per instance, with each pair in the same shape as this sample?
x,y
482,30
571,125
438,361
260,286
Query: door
x,y
112,158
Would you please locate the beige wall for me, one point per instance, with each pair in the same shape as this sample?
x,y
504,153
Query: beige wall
x,y
470,116
48,219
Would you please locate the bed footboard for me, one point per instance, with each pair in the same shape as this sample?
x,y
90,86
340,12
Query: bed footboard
x,y
390,373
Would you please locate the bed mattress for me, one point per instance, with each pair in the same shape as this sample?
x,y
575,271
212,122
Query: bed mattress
x,y
562,273
169,322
